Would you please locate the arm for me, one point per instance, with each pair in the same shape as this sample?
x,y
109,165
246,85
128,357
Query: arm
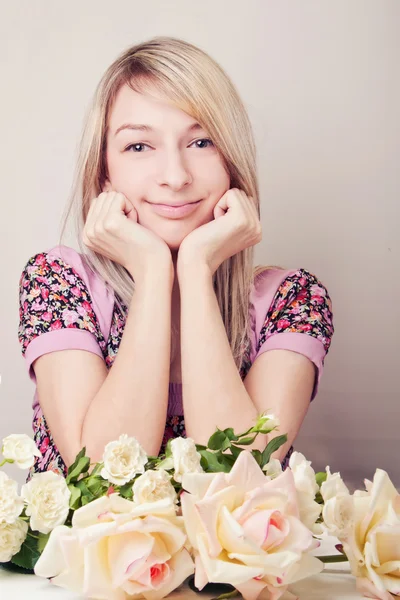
x,y
87,405
213,392
134,395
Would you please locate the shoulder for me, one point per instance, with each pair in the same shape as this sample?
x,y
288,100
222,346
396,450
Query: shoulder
x,y
286,285
291,301
60,278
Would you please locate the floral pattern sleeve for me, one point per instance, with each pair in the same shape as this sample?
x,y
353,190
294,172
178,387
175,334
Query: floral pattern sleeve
x,y
301,312
54,305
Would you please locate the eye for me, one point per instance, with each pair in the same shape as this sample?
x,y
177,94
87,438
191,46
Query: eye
x,y
140,144
135,146
204,140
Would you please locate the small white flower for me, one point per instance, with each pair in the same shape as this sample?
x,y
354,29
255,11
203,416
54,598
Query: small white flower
x,y
12,536
307,488
20,448
268,421
153,486
185,456
338,515
11,505
47,497
123,459
304,474
273,468
333,485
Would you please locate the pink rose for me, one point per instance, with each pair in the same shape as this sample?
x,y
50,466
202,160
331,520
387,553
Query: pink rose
x,y
245,529
116,548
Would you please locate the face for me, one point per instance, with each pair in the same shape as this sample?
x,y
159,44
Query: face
x,y
172,163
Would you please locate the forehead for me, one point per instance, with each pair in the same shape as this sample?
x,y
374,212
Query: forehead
x,y
148,108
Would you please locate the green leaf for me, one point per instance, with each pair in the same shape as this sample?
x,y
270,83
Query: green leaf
x,y
230,434
320,477
272,447
29,554
43,539
86,493
96,486
126,491
235,451
75,496
216,440
246,441
97,469
211,463
258,456
168,449
82,466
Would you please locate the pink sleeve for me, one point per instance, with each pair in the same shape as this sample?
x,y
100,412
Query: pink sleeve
x,y
63,305
292,310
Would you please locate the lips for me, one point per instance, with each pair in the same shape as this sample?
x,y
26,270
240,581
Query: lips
x,y
175,211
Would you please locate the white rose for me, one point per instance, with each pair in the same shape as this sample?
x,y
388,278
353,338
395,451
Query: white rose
x,y
338,515
47,497
307,488
333,485
21,449
12,536
153,486
185,456
11,505
123,459
273,468
304,474
116,549
372,544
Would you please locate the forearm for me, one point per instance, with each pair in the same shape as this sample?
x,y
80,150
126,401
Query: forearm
x,y
213,392
134,396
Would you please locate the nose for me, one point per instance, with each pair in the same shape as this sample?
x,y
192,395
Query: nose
x,y
174,172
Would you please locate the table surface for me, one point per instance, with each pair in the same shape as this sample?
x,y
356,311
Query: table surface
x,y
334,583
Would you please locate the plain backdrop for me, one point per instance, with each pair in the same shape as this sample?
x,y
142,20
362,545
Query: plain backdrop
x,y
320,80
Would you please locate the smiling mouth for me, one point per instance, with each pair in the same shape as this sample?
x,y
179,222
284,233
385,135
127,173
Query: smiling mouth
x,y
175,211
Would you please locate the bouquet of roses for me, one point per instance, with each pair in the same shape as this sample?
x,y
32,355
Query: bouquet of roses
x,y
139,526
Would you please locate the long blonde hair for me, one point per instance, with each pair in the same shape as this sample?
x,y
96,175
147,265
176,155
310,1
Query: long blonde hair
x,y
190,79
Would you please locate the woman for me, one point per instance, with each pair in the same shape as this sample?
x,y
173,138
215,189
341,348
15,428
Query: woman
x,y
163,289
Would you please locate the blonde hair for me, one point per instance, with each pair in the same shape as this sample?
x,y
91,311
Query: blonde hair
x,y
190,79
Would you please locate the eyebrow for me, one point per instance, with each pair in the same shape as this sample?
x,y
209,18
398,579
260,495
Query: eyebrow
x,y
140,127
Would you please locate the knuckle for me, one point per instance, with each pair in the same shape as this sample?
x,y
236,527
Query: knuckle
x,y
110,224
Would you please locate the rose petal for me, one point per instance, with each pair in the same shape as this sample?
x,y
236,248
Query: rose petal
x,y
367,588
127,554
220,570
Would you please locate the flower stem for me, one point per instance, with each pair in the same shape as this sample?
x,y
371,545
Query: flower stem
x,y
333,558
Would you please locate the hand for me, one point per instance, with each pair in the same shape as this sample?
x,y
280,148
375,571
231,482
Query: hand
x,y
112,229
235,227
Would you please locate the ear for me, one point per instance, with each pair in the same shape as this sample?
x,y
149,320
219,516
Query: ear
x,y
106,187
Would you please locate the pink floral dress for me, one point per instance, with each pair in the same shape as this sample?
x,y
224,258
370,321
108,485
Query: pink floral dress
x,y
54,296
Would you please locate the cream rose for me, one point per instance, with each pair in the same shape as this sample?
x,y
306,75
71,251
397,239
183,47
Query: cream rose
x,y
12,536
185,457
372,545
307,488
245,529
11,505
116,547
123,459
338,510
153,486
273,468
21,449
47,498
